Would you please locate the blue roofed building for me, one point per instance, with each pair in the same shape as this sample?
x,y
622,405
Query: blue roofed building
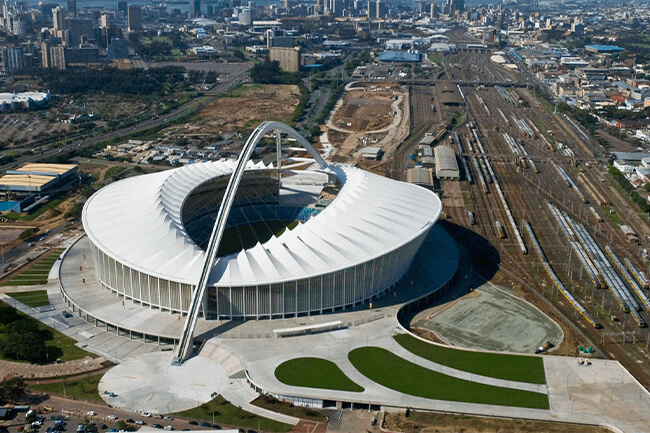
x,y
600,49
400,57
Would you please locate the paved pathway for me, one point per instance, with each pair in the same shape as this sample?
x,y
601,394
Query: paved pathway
x,y
580,398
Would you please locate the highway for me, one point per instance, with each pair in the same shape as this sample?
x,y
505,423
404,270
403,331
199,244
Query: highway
x,y
184,110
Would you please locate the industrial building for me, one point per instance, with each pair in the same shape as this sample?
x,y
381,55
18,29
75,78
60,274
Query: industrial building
x,y
38,178
400,57
446,164
11,101
420,176
449,95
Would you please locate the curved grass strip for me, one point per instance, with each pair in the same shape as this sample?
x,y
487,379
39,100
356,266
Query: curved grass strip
x,y
315,373
398,374
529,369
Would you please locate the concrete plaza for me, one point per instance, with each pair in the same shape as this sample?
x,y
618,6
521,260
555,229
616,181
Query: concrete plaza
x,y
577,393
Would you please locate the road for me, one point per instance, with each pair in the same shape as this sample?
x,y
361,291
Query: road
x,y
182,111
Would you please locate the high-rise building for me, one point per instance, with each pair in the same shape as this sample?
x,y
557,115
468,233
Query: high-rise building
x,y
134,18
12,59
195,8
19,27
57,55
434,11
105,21
454,5
72,7
578,28
4,8
80,30
289,58
46,58
246,17
372,9
58,18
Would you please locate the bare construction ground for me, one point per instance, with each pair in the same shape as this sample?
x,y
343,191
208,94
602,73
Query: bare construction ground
x,y
248,105
369,115
366,109
490,318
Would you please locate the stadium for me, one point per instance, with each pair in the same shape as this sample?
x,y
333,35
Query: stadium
x,y
301,237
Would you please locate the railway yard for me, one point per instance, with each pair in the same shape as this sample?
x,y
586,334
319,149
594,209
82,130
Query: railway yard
x,y
539,193
535,198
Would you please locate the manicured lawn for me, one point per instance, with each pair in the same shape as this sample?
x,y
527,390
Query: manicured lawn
x,y
67,345
501,366
80,389
226,413
391,371
37,274
36,298
315,373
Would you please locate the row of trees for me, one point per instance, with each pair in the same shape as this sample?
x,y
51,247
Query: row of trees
x,y
110,80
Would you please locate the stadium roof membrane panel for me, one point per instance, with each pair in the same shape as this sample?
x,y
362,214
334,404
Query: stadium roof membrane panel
x,y
138,222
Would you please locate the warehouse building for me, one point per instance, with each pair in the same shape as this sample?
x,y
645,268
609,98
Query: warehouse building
x,y
446,164
38,178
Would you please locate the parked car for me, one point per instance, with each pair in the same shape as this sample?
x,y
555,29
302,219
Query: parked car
x,y
169,428
156,426
91,413
111,416
146,414
169,418
139,422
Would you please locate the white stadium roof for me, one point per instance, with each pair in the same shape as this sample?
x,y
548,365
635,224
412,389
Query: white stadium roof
x,y
137,221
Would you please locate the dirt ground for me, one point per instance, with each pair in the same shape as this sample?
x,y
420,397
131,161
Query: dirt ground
x,y
420,422
19,128
116,107
365,110
253,102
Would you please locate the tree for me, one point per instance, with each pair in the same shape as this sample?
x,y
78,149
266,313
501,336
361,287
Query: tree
x,y
8,314
28,233
267,72
24,340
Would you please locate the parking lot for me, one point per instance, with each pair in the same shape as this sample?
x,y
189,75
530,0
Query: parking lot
x,y
96,418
